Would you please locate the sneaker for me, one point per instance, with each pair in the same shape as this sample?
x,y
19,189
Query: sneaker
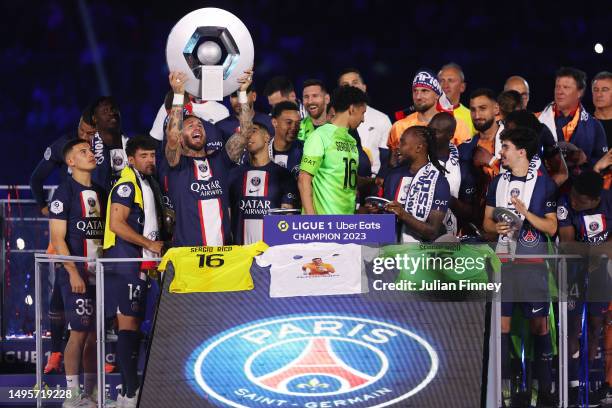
x,y
129,402
108,403
54,363
80,401
109,368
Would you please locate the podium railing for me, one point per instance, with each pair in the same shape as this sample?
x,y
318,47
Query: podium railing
x,y
495,386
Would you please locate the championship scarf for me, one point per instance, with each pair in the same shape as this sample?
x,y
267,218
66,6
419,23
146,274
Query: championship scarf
x,y
128,175
547,117
420,196
454,180
151,226
523,190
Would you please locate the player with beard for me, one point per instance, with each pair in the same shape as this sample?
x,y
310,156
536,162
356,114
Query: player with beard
x,y
420,207
315,99
197,182
478,154
108,142
426,92
77,227
328,171
257,186
286,149
133,230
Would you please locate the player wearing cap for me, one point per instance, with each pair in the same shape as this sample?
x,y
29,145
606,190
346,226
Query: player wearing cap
x,y
328,172
197,181
426,92
77,226
530,195
257,186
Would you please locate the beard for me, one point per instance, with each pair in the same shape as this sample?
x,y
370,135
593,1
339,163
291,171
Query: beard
x,y
484,126
423,107
193,146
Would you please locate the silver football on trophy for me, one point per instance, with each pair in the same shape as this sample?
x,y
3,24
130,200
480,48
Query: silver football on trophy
x,y
210,39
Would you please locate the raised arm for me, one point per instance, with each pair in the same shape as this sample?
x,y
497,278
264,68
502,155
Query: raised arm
x,y
175,122
236,143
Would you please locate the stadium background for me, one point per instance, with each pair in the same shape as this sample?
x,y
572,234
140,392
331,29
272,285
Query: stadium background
x,y
49,73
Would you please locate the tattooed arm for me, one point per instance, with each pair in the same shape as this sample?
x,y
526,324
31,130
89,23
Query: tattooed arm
x,y
236,143
175,122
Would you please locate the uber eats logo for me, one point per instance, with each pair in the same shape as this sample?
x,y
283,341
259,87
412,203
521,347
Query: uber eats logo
x,y
313,361
283,226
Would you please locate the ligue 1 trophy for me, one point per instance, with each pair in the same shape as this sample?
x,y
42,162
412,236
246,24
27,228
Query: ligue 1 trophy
x,y
214,48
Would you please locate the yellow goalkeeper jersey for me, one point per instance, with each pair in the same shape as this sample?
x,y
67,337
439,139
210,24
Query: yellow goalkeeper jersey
x,y
212,269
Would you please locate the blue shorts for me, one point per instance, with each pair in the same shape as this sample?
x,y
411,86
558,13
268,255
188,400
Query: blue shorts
x,y
525,285
528,309
79,308
590,288
126,294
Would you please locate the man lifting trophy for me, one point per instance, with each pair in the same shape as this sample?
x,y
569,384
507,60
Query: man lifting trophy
x,y
214,48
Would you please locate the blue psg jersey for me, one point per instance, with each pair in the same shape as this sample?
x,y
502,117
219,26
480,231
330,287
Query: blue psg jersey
x,y
289,159
83,210
198,190
254,191
543,201
591,226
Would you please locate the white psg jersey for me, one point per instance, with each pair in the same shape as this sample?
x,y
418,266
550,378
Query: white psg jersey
x,y
314,269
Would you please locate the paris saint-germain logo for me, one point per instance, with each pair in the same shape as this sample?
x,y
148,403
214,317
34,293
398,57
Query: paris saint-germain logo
x,y
203,167
313,361
593,226
255,181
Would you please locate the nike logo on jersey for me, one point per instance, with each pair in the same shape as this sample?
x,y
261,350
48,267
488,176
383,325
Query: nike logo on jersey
x,y
253,191
536,310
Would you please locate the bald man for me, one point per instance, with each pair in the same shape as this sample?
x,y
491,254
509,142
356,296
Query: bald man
x,y
520,85
452,81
